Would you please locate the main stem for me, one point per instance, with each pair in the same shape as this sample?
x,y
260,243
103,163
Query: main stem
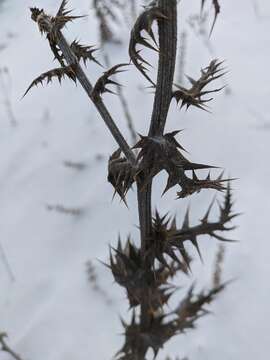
x,y
167,58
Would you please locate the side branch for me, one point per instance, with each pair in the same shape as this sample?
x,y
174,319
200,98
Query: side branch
x,y
80,75
52,27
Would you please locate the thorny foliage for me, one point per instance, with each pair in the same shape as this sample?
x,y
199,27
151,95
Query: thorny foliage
x,y
165,326
146,272
105,80
194,95
164,152
144,23
59,73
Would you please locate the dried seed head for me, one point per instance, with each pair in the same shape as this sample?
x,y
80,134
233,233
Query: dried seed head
x,y
35,13
120,174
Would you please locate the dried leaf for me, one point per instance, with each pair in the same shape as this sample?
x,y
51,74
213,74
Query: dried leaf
x,y
178,237
194,95
195,185
58,73
83,52
144,23
100,86
62,17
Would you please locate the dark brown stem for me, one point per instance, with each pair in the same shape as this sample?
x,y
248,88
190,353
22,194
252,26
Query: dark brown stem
x,y
124,105
6,348
106,116
167,40
167,59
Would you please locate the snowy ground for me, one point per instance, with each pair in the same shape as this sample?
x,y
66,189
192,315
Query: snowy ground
x,y
50,311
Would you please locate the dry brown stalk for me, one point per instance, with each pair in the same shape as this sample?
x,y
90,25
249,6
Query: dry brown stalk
x,y
146,271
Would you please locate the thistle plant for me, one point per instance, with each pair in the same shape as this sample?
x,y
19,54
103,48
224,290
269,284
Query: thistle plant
x,y
146,272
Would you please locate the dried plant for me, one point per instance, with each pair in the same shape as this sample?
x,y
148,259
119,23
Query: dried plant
x,y
146,272
6,348
105,80
58,73
194,95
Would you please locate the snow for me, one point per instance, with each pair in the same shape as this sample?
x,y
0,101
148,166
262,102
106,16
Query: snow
x,y
51,311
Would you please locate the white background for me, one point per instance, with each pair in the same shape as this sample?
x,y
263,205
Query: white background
x,y
50,311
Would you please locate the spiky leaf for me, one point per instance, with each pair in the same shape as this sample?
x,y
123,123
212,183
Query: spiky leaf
x,y
105,80
144,23
84,52
194,96
59,73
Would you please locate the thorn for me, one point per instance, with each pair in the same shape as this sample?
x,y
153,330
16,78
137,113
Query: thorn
x,y
186,219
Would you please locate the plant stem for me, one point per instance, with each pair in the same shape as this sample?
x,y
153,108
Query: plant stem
x,y
124,104
167,58
6,348
99,104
